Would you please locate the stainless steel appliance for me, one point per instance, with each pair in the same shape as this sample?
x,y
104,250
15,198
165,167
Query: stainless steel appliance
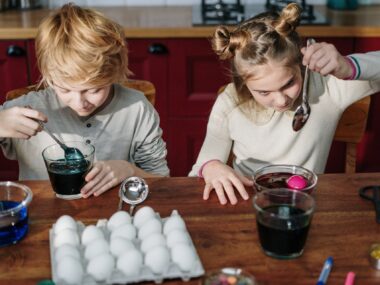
x,y
216,12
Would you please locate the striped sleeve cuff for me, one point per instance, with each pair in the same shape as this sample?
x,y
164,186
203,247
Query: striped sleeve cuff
x,y
355,67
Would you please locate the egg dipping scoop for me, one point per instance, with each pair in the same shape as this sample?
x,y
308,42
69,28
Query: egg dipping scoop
x,y
133,191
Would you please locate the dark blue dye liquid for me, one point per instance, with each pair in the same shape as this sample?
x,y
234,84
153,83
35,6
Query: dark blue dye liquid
x,y
67,176
13,227
288,240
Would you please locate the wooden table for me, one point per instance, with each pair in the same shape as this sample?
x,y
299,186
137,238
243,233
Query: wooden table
x,y
343,227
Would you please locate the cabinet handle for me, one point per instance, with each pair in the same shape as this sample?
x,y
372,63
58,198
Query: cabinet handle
x,y
15,51
158,48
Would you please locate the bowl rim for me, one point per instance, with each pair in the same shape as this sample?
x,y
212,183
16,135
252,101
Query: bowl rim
x,y
230,271
306,189
287,191
24,203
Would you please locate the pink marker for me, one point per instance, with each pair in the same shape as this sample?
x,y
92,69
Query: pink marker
x,y
350,278
296,182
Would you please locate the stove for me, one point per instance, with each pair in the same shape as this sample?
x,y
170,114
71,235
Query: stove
x,y
224,12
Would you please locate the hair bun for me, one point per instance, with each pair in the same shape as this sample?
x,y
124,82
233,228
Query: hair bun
x,y
225,43
289,19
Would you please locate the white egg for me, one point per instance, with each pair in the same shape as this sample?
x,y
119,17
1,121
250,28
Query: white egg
x,y
143,215
95,248
184,256
69,269
91,233
100,267
127,231
174,222
150,227
130,262
66,236
65,222
177,236
157,259
66,250
118,219
156,239
119,245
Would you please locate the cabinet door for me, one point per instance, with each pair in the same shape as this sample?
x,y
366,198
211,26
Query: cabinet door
x,y
13,74
368,156
148,60
34,72
195,75
13,66
185,141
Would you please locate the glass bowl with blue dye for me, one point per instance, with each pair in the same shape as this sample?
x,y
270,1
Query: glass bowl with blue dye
x,y
14,200
67,175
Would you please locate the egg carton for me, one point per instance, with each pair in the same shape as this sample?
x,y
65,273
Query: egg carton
x,y
146,274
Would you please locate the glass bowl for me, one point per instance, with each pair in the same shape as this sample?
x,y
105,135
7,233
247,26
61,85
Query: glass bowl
x,y
276,176
14,199
229,276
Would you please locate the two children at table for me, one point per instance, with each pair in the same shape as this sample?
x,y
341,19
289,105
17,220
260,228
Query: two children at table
x,y
82,57
253,115
83,60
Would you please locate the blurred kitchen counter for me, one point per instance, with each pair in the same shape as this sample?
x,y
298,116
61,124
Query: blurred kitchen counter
x,y
176,22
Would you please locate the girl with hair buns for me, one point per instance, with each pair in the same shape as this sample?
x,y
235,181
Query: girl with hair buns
x,y
253,115
82,56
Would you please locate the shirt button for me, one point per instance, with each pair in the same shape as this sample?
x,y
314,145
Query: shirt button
x,y
88,141
88,125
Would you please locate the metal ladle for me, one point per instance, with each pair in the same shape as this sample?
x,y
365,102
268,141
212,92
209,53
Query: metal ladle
x,y
71,153
302,112
133,191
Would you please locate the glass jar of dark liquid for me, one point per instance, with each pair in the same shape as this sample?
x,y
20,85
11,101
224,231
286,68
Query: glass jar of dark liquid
x,y
67,175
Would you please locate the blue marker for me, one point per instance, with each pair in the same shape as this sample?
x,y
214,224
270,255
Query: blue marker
x,y
325,271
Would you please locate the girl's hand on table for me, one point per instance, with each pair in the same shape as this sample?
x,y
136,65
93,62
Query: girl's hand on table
x,y
223,179
105,175
20,122
325,59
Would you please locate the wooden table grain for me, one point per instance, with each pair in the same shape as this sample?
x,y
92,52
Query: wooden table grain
x,y
343,227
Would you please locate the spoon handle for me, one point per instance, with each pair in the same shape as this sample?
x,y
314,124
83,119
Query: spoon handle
x,y
120,207
306,77
63,146
131,208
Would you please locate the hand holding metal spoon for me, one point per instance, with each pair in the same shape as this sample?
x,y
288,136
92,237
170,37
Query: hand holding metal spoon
x,y
71,153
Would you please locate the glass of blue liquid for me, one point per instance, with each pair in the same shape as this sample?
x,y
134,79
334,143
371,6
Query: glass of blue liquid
x,y
14,200
67,175
283,219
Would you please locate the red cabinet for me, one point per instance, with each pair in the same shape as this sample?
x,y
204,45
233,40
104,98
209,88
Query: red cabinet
x,y
368,150
187,76
13,66
14,74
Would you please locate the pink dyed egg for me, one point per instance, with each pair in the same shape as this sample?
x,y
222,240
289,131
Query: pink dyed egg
x,y
296,182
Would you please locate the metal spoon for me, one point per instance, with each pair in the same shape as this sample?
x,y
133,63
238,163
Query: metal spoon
x,y
303,111
133,191
71,153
